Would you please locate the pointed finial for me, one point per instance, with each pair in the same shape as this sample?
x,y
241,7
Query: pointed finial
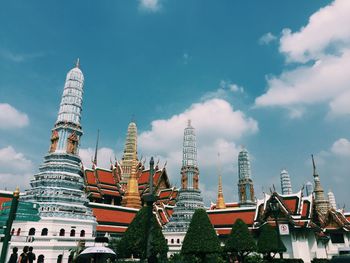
x,y
313,165
188,123
96,149
16,192
77,64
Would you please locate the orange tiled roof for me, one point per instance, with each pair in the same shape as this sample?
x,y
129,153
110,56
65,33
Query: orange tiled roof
x,y
105,177
116,215
227,217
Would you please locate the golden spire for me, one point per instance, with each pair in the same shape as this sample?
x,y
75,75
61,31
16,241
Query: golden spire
x,y
220,202
130,152
132,197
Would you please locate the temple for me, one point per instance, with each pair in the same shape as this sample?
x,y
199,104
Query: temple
x,y
286,185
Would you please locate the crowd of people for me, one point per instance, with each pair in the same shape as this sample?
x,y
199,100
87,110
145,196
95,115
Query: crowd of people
x,y
27,256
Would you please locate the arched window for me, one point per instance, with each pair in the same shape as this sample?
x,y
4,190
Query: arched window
x,y
178,241
44,232
12,231
59,258
62,232
72,233
172,241
31,231
41,259
82,233
18,231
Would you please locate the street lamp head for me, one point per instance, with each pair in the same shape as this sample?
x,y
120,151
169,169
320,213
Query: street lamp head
x,y
274,206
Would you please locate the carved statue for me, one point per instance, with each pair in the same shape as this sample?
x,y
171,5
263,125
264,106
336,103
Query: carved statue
x,y
195,181
184,180
72,143
54,141
242,193
252,193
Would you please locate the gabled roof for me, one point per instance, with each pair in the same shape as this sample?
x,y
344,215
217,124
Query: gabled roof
x,y
223,218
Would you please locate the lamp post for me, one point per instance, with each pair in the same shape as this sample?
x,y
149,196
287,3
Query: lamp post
x,y
12,216
149,200
275,208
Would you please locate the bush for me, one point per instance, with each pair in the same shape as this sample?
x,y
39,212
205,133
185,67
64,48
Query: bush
x,y
320,260
285,260
240,242
201,242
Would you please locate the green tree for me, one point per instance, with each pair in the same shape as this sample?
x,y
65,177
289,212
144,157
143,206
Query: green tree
x,y
134,241
269,242
201,240
240,242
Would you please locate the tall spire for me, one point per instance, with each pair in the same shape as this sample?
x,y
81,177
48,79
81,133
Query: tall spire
x,y
321,203
286,185
189,198
96,148
129,159
245,183
220,202
60,175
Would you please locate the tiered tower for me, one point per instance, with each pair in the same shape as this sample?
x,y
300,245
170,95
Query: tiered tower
x,y
129,159
58,187
321,203
245,183
189,198
286,185
331,199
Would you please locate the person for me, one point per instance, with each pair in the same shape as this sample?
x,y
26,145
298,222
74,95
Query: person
x,y
23,258
14,255
31,255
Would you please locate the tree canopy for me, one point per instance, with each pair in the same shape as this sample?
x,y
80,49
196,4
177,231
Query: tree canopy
x,y
270,242
201,240
134,241
240,241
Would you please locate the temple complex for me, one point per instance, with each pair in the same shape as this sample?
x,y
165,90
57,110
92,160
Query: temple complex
x,y
75,202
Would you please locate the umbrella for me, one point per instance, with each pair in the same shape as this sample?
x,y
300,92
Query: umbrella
x,y
98,254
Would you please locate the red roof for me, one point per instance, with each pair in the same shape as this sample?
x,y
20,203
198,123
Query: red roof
x,y
306,209
105,177
144,177
165,193
291,203
113,215
228,217
109,192
90,177
111,229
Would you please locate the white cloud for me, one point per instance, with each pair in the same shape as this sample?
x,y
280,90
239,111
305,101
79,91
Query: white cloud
x,y
224,91
11,118
150,5
218,128
267,38
325,30
104,157
15,169
18,57
324,43
341,147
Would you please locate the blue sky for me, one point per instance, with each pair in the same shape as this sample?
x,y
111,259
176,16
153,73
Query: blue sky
x,y
269,75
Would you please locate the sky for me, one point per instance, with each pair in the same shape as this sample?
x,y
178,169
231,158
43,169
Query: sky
x,y
271,76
